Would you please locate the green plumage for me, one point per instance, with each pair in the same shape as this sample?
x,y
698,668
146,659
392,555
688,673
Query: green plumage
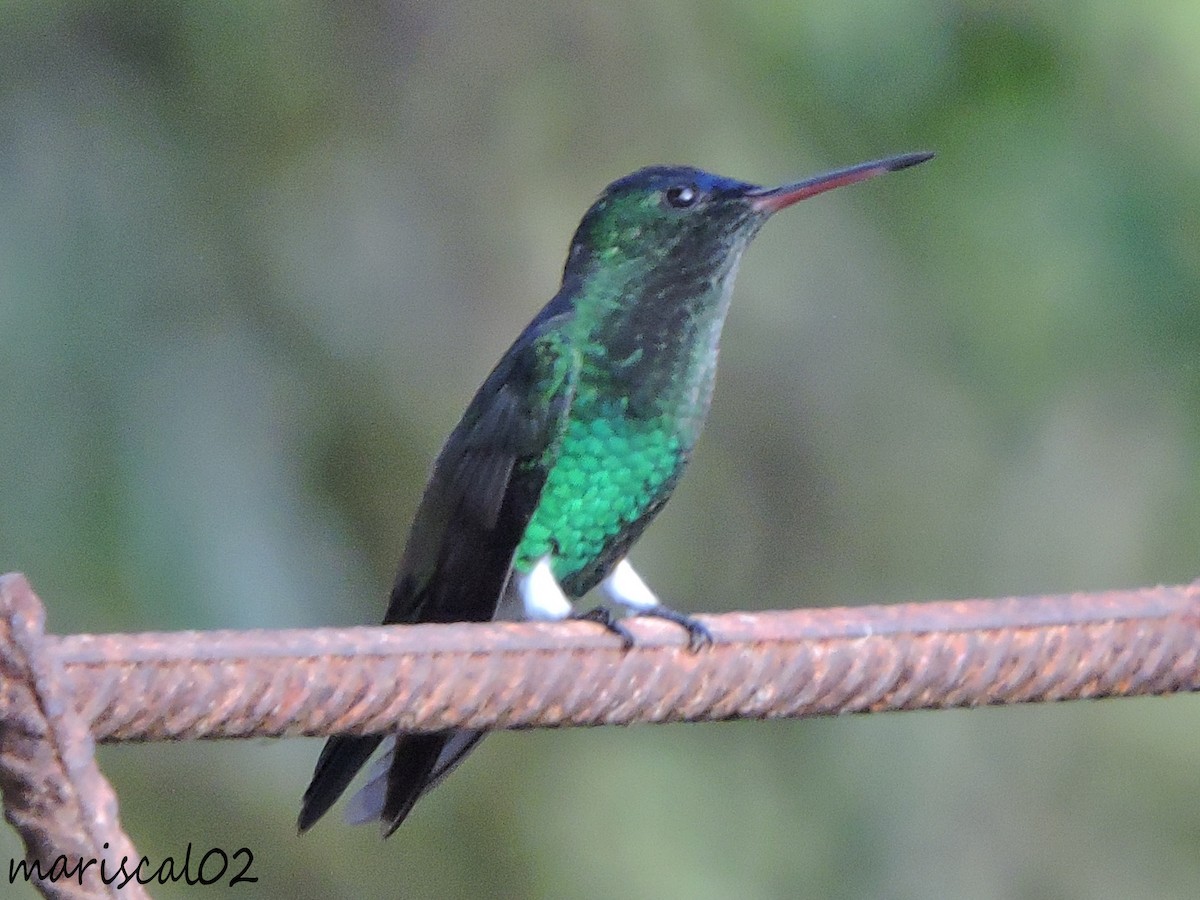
x,y
608,472
575,440
645,374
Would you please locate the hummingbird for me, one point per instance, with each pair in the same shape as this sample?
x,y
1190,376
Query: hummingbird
x,y
573,444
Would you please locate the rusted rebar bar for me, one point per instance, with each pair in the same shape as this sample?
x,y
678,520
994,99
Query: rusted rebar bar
x,y
54,793
762,665
189,685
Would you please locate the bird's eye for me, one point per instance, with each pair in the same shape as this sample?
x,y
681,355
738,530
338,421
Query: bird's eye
x,y
681,196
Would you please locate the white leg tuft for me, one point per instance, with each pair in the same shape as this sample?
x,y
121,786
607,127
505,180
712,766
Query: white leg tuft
x,y
625,587
541,596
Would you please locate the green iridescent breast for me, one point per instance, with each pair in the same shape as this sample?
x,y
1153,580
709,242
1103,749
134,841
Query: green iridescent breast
x,y
608,472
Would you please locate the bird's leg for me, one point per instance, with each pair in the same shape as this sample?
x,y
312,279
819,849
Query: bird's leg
x,y
625,587
544,601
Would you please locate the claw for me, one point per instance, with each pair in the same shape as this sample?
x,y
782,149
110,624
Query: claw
x,y
698,634
624,586
604,616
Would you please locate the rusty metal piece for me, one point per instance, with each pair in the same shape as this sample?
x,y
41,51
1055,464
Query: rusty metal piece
x,y
807,662
54,794
189,685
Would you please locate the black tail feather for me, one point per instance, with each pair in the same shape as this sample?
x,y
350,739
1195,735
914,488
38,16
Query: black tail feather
x,y
340,760
409,776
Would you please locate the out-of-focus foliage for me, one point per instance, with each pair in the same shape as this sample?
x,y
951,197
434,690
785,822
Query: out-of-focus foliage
x,y
254,259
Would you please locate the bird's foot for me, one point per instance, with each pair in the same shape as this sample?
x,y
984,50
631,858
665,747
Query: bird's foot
x,y
698,634
624,586
603,615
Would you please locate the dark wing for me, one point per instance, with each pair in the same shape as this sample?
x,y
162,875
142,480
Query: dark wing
x,y
484,488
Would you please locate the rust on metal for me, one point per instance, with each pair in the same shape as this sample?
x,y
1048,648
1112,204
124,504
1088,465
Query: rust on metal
x,y
223,684
54,793
58,694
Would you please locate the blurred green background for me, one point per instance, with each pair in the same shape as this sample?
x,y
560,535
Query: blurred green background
x,y
255,258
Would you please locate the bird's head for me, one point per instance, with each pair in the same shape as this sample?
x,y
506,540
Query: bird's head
x,y
682,217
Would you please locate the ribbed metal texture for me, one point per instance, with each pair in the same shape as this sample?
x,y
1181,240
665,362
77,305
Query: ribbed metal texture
x,y
58,693
186,685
